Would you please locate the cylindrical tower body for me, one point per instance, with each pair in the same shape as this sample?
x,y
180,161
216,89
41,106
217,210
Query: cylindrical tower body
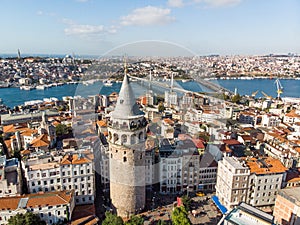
x,y
126,137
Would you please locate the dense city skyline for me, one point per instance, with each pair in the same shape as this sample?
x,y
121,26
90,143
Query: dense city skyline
x,y
95,27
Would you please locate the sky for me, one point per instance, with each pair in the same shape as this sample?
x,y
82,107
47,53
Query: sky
x,y
201,27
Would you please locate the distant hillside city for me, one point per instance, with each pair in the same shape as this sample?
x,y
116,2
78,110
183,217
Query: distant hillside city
x,y
188,158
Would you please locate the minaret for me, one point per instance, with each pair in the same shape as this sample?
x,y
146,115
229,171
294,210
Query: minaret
x,y
126,137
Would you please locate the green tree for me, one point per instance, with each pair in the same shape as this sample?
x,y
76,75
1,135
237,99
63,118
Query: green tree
x,y
28,218
135,220
112,219
236,98
186,202
61,129
161,107
180,216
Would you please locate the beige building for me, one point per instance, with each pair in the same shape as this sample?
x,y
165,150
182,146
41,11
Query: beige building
x,y
251,180
232,182
287,207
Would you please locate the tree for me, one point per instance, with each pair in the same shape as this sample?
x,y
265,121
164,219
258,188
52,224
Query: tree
x,y
61,129
180,216
236,98
161,107
112,219
28,218
186,202
135,220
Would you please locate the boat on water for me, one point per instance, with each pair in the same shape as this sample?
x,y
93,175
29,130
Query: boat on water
x,y
108,83
41,87
26,88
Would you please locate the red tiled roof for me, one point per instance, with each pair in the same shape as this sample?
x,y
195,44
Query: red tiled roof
x,y
198,143
37,200
41,141
231,142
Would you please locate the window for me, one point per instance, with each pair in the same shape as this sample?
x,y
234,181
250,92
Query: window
x,y
75,173
45,182
124,159
32,184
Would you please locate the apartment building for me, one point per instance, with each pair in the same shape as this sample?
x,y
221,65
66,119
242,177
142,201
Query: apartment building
x,y
267,176
52,207
287,206
232,182
73,172
251,180
179,166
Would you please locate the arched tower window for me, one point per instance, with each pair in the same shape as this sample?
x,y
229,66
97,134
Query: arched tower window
x,y
141,135
116,138
124,159
124,139
133,139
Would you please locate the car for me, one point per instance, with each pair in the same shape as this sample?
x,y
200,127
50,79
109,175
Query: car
x,y
200,194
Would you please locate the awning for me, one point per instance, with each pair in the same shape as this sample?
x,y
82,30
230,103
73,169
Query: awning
x,y
218,204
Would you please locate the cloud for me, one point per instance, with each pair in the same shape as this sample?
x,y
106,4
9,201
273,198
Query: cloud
x,y
80,29
175,3
42,13
87,30
218,3
146,16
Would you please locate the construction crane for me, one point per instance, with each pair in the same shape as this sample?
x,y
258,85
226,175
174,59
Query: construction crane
x,y
267,96
254,93
279,88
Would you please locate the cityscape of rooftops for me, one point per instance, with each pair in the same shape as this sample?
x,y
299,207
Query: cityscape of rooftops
x,y
183,112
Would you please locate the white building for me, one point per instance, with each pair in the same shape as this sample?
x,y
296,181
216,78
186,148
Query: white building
x,y
51,207
74,172
171,98
270,120
179,166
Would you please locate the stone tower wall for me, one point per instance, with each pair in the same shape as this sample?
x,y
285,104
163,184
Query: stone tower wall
x,y
127,178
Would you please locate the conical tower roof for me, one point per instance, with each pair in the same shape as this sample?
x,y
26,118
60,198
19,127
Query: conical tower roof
x,y
126,106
